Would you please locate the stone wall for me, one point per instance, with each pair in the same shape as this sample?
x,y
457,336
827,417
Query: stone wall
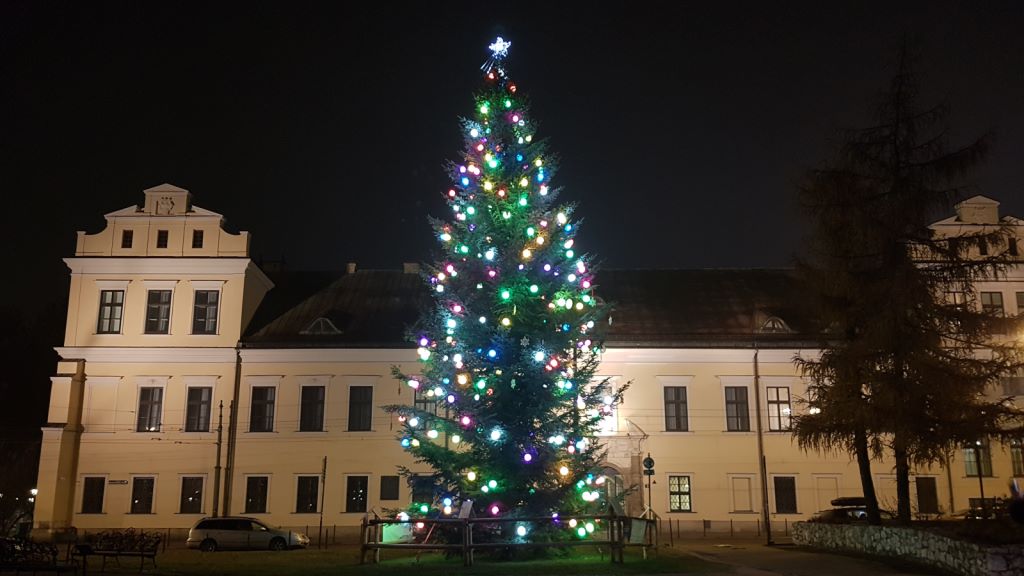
x,y
919,546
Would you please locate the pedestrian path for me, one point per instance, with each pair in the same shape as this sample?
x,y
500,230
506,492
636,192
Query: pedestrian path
x,y
754,558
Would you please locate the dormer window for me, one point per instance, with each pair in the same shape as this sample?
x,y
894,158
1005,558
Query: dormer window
x,y
197,238
161,238
321,327
126,238
775,325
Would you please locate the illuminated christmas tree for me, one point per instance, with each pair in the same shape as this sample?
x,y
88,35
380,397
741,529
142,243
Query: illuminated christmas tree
x,y
508,411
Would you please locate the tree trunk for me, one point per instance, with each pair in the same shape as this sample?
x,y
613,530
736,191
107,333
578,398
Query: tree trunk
x,y
902,479
867,482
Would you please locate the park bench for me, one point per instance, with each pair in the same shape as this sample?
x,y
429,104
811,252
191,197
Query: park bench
x,y
118,544
25,557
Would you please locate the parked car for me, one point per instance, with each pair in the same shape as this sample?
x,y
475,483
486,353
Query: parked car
x,y
241,533
848,509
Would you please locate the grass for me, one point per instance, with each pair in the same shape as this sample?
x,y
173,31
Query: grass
x,y
344,561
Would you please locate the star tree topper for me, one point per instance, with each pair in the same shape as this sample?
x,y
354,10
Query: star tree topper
x,y
500,48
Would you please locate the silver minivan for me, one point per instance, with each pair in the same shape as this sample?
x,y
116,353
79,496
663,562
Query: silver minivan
x,y
240,533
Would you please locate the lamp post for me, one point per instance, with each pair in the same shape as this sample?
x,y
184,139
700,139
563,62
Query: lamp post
x,y
981,482
649,472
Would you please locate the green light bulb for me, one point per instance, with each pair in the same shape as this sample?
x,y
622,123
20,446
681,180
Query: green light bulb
x,y
533,288
508,103
484,108
530,231
505,294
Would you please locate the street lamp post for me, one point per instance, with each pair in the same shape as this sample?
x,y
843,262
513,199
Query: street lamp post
x,y
981,482
649,472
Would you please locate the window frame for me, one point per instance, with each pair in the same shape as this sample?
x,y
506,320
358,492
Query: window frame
x,y
780,412
985,451
202,493
159,307
361,416
152,494
266,494
997,310
299,479
149,416
118,306
321,424
103,494
205,316
188,408
348,493
197,234
162,239
775,493
742,417
385,495
127,238
272,419
681,408
688,493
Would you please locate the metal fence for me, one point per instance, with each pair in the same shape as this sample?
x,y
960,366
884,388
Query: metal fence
x,y
615,532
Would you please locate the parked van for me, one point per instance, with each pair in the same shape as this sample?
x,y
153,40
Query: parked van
x,y
240,533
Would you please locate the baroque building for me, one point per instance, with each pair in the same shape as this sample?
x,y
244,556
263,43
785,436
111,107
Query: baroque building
x,y
193,383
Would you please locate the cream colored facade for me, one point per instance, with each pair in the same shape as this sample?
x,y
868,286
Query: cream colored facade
x,y
104,427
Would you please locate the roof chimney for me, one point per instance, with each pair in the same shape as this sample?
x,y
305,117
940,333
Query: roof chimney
x,y
350,268
410,268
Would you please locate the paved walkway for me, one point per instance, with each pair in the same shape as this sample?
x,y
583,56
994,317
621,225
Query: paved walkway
x,y
753,558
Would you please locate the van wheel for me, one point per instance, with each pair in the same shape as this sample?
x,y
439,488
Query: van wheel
x,y
278,544
208,545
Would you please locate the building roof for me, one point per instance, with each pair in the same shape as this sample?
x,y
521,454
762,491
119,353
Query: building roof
x,y
650,308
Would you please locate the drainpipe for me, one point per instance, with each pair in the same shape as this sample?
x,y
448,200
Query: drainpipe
x,y
762,463
229,467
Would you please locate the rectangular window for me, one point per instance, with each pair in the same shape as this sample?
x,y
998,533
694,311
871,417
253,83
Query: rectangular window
x,y
311,416
126,238
423,402
161,238
360,410
779,409
676,418
1017,457
197,409
422,489
742,494
1020,303
983,246
261,415
151,401
197,238
737,411
306,494
191,495
111,308
971,454
927,495
785,494
992,303
1011,247
158,312
142,495
92,494
355,493
204,311
256,494
679,494
389,487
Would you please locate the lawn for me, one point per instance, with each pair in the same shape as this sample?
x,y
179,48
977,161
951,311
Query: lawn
x,y
344,561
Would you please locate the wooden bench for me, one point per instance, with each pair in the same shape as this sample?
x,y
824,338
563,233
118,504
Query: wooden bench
x,y
118,544
23,556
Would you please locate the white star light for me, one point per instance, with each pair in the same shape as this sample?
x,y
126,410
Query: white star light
x,y
500,47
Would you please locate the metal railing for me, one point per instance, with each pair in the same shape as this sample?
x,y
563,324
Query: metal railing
x,y
616,532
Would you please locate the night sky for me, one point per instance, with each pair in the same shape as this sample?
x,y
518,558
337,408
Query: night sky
x,y
322,129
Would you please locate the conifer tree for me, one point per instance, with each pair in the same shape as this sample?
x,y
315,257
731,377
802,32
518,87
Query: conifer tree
x,y
508,412
911,359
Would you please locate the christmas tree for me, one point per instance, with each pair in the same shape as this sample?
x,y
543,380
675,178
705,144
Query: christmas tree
x,y
507,408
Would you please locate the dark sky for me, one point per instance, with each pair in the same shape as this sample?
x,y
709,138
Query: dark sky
x,y
683,129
